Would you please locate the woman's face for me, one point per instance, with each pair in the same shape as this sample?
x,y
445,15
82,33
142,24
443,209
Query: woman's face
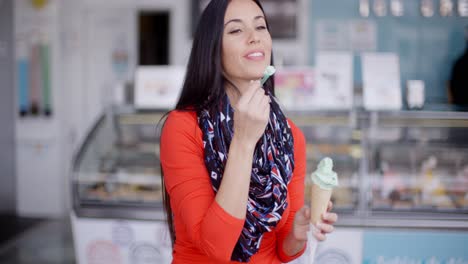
x,y
246,50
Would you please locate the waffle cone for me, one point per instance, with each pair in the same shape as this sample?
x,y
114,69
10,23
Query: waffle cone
x,y
318,203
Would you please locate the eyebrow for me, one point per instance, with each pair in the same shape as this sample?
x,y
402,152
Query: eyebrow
x,y
240,21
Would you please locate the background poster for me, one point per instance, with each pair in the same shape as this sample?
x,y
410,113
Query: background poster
x,y
381,81
34,55
158,87
295,87
334,80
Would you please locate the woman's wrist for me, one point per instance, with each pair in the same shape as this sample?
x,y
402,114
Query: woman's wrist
x,y
245,147
292,246
233,192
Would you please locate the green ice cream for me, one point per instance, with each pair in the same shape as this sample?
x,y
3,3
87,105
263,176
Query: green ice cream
x,y
324,176
269,71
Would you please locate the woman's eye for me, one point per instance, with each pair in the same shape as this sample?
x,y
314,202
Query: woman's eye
x,y
261,27
234,31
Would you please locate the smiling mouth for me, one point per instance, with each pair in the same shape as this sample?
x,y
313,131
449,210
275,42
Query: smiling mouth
x,y
255,56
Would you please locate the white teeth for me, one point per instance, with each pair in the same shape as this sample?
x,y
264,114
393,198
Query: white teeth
x,y
256,54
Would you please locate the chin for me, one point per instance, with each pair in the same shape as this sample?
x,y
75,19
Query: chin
x,y
257,72
255,77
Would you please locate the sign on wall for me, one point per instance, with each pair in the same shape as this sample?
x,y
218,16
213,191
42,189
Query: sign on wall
x,y
381,81
334,87
33,38
158,87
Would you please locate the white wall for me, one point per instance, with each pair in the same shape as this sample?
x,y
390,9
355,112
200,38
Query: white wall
x,y
91,30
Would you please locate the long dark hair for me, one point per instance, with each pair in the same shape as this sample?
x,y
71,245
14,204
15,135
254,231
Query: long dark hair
x,y
204,80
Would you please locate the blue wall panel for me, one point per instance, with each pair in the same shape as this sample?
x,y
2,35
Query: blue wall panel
x,y
427,47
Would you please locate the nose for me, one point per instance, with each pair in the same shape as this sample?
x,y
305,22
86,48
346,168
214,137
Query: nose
x,y
253,37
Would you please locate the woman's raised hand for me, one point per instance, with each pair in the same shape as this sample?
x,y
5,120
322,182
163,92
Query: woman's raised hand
x,y
251,114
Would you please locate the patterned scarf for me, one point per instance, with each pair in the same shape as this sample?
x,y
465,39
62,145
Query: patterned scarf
x,y
273,164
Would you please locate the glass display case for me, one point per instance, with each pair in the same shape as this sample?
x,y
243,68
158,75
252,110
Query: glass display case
x,y
116,172
396,169
416,168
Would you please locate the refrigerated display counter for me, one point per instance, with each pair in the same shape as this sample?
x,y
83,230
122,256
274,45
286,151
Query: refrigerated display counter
x,y
118,214
417,169
396,168
403,185
116,172
400,170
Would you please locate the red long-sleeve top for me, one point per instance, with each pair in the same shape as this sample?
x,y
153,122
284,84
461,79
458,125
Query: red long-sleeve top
x,y
205,232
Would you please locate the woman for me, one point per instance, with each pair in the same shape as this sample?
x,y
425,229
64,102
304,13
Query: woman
x,y
233,165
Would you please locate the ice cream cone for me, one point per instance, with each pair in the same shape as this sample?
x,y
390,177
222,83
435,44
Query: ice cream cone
x,y
318,203
324,180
